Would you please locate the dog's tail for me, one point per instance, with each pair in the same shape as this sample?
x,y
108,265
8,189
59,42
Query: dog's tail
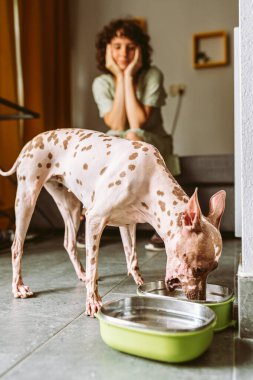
x,y
11,171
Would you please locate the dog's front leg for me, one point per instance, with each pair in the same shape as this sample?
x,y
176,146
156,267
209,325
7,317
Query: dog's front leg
x,y
92,235
128,236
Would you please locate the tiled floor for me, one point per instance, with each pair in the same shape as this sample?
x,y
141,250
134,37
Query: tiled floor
x,y
49,336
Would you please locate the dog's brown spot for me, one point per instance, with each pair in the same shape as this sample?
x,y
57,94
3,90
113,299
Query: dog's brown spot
x,y
108,145
94,247
145,149
136,145
122,174
111,184
158,226
29,147
175,203
95,237
159,158
86,136
38,177
74,155
50,156
162,205
109,152
39,165
57,165
168,213
133,156
38,142
160,193
131,167
144,205
79,182
93,196
65,144
107,139
179,219
93,261
77,146
178,192
52,136
171,223
85,166
118,182
48,165
103,170
160,162
169,233
88,147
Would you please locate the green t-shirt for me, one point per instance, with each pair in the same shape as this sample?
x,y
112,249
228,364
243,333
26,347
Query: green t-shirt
x,y
150,91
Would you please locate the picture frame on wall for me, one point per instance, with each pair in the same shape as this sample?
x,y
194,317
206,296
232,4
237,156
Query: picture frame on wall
x,y
210,49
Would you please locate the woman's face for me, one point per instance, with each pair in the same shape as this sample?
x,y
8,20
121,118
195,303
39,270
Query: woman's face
x,y
123,50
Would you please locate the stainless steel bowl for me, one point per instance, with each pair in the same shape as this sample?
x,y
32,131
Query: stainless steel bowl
x,y
214,293
219,298
157,314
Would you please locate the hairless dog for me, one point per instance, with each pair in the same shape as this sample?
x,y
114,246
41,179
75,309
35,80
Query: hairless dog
x,y
119,183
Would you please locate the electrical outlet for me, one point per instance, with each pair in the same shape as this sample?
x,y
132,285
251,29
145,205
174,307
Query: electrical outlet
x,y
177,89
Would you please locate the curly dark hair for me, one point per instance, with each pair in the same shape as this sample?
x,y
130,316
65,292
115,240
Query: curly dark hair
x,y
129,28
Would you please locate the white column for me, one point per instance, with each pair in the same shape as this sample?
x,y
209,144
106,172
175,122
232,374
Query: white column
x,y
246,102
237,135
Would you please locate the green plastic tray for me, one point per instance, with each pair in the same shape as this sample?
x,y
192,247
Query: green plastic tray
x,y
126,330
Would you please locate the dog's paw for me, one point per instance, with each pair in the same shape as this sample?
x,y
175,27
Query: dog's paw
x,y
137,278
93,305
22,291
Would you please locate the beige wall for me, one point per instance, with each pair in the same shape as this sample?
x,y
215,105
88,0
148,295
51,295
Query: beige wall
x,y
205,124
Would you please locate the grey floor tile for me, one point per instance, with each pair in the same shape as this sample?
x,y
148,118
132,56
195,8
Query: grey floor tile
x,y
50,337
243,359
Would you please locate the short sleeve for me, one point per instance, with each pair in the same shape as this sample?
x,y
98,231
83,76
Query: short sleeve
x,y
102,92
152,91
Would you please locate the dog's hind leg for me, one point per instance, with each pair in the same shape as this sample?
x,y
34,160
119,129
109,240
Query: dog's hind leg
x,y
69,207
26,198
128,236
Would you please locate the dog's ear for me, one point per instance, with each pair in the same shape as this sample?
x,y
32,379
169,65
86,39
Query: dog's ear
x,y
192,215
216,208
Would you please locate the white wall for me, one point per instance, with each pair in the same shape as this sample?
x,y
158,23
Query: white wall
x,y
246,110
205,124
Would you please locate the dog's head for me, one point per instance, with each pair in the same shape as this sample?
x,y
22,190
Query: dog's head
x,y
196,248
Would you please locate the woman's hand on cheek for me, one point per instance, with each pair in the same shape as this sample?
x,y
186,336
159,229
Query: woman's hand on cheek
x,y
135,65
110,64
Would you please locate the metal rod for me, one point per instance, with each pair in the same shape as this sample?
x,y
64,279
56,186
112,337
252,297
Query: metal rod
x,y
28,114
